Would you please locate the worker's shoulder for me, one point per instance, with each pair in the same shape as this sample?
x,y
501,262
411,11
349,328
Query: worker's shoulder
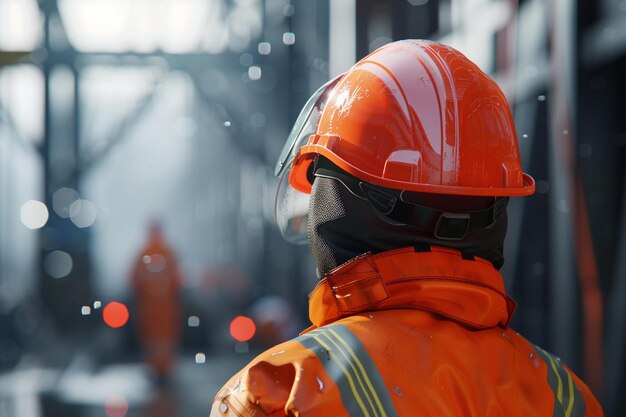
x,y
270,383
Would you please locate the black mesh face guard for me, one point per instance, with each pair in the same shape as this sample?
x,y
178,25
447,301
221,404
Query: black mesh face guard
x,y
344,221
392,206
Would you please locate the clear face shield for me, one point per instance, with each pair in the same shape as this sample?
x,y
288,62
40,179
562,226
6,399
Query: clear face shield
x,y
291,206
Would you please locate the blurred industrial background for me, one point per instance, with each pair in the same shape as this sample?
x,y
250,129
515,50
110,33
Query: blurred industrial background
x,y
139,137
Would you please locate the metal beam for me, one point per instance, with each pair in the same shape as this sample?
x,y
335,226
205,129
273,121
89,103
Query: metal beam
x,y
121,132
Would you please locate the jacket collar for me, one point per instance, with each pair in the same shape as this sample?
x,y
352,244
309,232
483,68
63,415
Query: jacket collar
x,y
468,291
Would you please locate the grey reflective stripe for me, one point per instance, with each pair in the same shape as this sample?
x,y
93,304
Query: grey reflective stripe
x,y
362,389
567,399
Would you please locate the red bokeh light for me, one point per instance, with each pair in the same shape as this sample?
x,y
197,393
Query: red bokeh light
x,y
242,328
115,314
116,406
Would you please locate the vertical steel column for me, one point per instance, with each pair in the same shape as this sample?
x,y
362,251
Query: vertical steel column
x,y
615,349
562,271
64,296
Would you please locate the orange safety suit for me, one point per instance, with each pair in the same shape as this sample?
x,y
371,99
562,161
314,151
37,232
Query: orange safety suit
x,y
408,333
157,288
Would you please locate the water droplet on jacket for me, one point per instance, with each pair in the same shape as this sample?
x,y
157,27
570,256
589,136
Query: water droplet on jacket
x,y
371,316
397,390
531,356
280,352
320,383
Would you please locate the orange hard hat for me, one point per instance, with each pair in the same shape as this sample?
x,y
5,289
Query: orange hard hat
x,y
413,115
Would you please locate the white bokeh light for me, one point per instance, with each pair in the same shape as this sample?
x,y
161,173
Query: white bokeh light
x,y
265,48
34,214
82,213
289,38
254,72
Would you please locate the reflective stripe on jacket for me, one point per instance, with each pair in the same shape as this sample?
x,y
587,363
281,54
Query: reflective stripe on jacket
x,y
405,333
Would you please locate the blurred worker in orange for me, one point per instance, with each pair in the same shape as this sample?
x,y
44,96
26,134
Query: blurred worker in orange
x,y
402,168
156,283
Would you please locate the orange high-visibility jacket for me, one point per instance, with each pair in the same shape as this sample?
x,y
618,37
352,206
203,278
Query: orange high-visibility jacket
x,y
407,333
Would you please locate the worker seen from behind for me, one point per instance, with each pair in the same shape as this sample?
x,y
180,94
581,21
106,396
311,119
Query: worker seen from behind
x,y
156,285
401,170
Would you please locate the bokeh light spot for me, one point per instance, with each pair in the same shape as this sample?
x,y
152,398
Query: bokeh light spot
x,y
34,214
264,48
254,72
200,358
62,199
116,406
115,314
58,264
193,321
82,213
242,328
246,59
289,38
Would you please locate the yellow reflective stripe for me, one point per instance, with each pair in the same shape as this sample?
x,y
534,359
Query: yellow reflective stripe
x,y
570,384
559,393
356,373
346,373
362,368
